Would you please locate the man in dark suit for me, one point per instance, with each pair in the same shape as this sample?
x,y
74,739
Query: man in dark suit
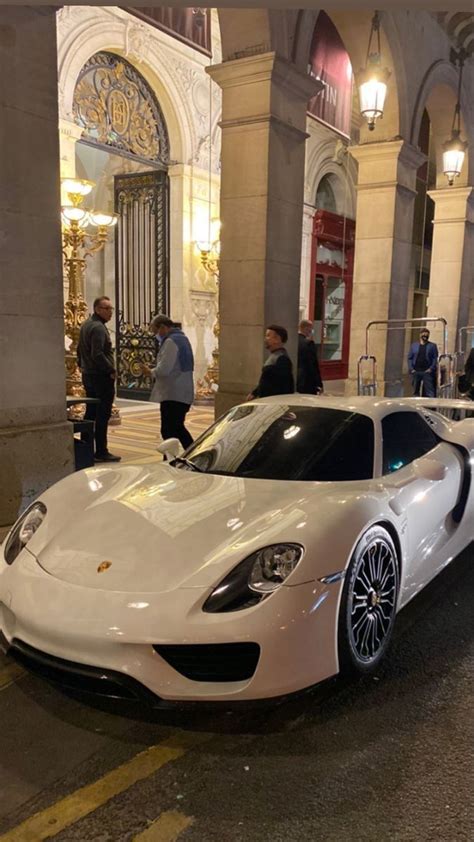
x,y
422,365
309,379
96,361
277,372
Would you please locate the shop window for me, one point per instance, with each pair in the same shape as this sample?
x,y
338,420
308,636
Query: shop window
x,y
331,291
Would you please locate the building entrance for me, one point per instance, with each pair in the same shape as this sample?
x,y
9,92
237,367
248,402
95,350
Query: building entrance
x,y
141,274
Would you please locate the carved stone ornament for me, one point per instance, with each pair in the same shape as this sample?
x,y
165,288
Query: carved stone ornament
x,y
117,108
201,155
137,41
202,304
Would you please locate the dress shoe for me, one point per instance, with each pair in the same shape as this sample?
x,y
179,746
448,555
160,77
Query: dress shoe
x,y
107,457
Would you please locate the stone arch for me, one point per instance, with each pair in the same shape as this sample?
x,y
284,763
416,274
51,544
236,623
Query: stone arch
x,y
270,31
119,110
438,94
342,188
354,32
328,160
94,35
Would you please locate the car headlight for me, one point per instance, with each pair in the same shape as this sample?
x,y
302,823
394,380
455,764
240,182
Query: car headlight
x,y
24,529
255,578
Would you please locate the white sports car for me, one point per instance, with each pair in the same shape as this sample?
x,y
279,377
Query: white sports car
x,y
275,552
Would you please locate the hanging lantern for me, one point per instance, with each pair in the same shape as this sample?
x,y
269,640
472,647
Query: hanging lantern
x,y
454,149
372,80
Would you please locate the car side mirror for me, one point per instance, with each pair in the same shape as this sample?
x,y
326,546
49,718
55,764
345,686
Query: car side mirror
x,y
170,448
430,469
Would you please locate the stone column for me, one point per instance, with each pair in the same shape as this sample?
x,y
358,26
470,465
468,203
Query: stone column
x,y
263,157
384,234
36,447
452,258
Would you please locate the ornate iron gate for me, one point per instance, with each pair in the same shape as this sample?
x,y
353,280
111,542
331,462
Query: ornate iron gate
x,y
142,274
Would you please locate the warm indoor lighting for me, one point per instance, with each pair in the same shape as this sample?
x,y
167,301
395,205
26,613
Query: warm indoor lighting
x,y
372,80
77,188
78,245
454,149
99,218
204,246
71,213
210,249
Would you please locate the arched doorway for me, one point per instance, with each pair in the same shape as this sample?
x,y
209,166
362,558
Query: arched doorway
x,y
124,148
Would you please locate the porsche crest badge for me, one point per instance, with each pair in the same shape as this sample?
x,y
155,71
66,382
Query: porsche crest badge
x,y
103,566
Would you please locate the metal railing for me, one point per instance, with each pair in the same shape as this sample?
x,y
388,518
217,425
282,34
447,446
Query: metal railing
x,y
367,363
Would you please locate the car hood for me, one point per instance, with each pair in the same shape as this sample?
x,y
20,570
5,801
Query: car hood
x,y
159,528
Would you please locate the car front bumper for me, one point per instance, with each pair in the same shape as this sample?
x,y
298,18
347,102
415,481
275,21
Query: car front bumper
x,y
115,633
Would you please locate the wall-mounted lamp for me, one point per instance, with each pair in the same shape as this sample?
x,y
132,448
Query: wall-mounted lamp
x,y
210,250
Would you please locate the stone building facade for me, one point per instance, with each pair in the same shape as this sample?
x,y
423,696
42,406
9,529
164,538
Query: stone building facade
x,y
242,147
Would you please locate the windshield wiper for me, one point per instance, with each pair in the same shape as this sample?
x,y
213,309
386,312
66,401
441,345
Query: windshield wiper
x,y
181,460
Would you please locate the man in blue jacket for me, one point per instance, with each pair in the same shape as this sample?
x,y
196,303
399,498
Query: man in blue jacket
x,y
173,385
422,364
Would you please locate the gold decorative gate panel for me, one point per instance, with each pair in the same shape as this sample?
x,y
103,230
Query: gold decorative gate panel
x,y
118,109
142,274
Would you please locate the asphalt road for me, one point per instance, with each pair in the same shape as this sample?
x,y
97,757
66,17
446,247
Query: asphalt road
x,y
385,758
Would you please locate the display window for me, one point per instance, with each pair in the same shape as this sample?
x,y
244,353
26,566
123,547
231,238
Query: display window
x,y
331,291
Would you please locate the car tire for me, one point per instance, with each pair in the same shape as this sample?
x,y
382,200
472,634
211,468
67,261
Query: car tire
x,y
369,603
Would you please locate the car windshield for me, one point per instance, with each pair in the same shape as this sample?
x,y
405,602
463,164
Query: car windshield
x,y
282,442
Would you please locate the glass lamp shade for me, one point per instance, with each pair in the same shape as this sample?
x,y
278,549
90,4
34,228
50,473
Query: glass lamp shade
x,y
454,151
101,219
204,246
71,213
77,188
372,83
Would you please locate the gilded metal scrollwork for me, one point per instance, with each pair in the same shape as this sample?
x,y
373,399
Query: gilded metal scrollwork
x,y
136,346
117,108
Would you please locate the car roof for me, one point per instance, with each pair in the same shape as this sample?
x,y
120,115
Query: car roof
x,y
374,407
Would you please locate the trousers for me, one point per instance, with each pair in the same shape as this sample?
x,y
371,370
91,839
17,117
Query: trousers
x,y
427,379
102,386
173,414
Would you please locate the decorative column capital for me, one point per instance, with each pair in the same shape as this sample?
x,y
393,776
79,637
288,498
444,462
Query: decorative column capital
x,y
277,91
265,67
392,163
387,150
453,204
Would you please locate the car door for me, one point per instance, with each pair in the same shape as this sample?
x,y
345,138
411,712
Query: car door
x,y
424,476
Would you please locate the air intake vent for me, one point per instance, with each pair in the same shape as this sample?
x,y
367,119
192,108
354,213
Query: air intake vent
x,y
212,662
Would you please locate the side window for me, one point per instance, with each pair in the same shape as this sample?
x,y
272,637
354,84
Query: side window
x,y
406,436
